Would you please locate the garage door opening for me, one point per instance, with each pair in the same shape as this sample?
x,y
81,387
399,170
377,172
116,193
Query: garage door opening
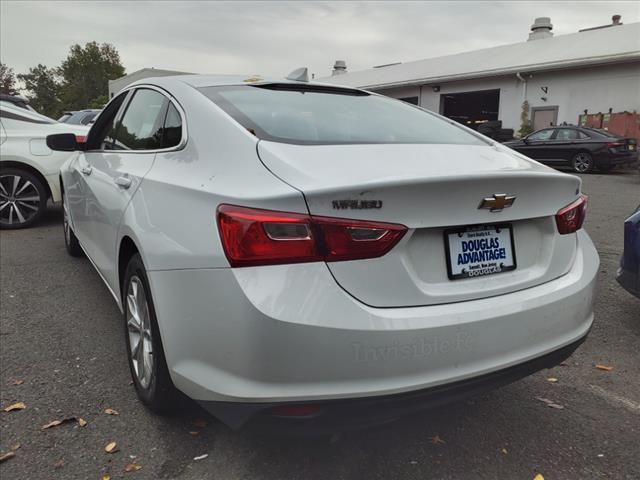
x,y
471,108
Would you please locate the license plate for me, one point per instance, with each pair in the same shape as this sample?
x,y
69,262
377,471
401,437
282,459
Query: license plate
x,y
479,251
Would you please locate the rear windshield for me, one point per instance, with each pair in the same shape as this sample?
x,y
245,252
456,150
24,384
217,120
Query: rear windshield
x,y
316,115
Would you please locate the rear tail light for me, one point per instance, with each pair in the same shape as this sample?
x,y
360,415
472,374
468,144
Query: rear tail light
x,y
307,410
570,218
265,237
615,144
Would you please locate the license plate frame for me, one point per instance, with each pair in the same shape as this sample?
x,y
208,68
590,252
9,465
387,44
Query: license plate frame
x,y
477,228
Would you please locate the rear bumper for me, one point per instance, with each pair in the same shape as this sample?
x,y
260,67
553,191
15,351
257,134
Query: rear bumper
x,y
355,413
289,334
617,159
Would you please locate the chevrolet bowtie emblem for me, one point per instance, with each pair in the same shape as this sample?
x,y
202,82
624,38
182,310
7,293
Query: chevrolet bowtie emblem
x,y
498,202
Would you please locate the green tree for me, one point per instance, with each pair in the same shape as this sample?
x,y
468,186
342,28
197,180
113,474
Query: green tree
x,y
44,88
86,73
7,80
525,124
98,102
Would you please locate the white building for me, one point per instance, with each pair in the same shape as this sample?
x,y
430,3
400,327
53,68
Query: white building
x,y
560,76
119,83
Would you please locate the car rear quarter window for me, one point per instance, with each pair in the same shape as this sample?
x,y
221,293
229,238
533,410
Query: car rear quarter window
x,y
142,122
321,115
172,131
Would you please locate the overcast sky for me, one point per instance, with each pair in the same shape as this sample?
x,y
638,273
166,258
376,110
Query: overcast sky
x,y
273,38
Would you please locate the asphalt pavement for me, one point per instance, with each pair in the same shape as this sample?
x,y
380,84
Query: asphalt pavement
x,y
62,354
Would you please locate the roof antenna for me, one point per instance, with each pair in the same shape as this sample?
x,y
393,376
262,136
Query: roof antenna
x,y
299,75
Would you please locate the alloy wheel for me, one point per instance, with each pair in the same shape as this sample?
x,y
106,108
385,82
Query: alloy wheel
x,y
19,200
139,331
582,162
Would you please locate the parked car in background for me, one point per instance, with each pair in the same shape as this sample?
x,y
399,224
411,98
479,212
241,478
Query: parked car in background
x,y
29,170
580,148
312,254
16,100
79,117
629,272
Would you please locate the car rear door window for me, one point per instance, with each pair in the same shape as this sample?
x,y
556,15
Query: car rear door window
x,y
141,126
565,134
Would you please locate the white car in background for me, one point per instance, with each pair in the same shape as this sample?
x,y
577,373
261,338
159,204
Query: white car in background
x,y
29,170
311,254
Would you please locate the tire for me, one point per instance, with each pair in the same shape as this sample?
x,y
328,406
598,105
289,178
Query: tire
x,y
582,162
23,198
70,240
149,370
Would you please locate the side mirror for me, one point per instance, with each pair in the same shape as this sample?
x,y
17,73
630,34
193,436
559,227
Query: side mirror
x,y
65,142
525,140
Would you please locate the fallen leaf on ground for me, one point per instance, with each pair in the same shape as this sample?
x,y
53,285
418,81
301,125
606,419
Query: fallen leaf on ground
x,y
82,422
194,433
6,456
17,382
200,423
436,440
15,406
504,450
201,457
55,423
132,467
606,368
111,411
538,477
550,403
59,464
111,447
15,447
552,380
105,477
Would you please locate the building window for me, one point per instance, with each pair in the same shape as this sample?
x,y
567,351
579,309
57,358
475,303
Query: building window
x,y
411,100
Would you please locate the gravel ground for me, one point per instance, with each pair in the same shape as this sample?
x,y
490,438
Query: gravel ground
x,y
61,339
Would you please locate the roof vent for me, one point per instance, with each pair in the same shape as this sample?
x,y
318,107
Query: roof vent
x,y
541,28
339,68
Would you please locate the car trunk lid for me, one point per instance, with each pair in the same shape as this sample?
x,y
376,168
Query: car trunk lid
x,y
431,189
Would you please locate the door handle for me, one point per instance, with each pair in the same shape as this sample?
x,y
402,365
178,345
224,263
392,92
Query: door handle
x,y
87,170
124,182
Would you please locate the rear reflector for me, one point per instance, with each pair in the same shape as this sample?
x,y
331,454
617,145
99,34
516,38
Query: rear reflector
x,y
265,237
570,218
81,138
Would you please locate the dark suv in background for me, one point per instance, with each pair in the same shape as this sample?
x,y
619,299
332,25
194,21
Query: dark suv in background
x,y
583,149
